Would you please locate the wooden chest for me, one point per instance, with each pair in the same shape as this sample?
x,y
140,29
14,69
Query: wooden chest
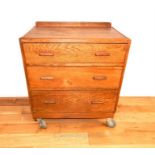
x,y
74,69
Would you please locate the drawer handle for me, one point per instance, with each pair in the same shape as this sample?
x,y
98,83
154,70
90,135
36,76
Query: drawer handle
x,y
99,77
49,101
102,54
97,102
44,53
46,78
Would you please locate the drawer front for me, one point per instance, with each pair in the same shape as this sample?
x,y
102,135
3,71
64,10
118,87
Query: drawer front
x,y
73,101
73,77
50,53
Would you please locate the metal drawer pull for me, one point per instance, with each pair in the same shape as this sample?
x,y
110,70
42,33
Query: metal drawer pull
x,y
44,53
102,54
49,102
100,77
46,78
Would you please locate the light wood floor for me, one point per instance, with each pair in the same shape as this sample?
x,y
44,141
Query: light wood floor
x,y
135,127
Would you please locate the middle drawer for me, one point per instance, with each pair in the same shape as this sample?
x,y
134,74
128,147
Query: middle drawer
x,y
73,78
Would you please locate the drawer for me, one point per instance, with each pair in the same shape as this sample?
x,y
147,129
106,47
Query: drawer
x,y
73,78
60,53
74,101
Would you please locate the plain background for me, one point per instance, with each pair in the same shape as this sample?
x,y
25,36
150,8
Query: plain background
x,y
134,18
77,151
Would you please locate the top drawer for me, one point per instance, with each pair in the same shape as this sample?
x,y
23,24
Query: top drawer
x,y
66,53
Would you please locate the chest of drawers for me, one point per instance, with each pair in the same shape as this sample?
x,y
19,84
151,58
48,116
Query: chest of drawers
x,y
74,70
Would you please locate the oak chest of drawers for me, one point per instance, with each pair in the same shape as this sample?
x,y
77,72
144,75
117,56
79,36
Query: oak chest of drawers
x,y
74,70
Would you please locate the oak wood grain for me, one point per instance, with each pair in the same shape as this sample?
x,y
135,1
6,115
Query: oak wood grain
x,y
73,101
135,128
75,32
66,58
74,24
73,78
55,53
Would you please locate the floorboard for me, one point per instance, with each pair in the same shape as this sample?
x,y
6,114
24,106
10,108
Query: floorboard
x,y
135,118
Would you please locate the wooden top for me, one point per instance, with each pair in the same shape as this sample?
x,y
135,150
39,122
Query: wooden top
x,y
90,32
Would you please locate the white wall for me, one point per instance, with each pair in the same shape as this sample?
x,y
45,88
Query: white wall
x,y
134,18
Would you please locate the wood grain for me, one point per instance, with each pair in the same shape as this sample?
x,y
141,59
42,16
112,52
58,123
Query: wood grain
x,y
74,101
74,32
10,101
73,78
135,128
74,24
64,53
62,59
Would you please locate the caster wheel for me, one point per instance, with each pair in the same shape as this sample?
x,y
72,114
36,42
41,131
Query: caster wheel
x,y
110,123
42,123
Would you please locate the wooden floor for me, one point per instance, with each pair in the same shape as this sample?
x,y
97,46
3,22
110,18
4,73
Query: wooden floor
x,y
135,127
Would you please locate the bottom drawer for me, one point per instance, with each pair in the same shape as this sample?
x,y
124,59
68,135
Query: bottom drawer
x,y
73,101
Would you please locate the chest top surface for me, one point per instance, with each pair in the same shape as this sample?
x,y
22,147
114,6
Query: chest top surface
x,y
97,32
